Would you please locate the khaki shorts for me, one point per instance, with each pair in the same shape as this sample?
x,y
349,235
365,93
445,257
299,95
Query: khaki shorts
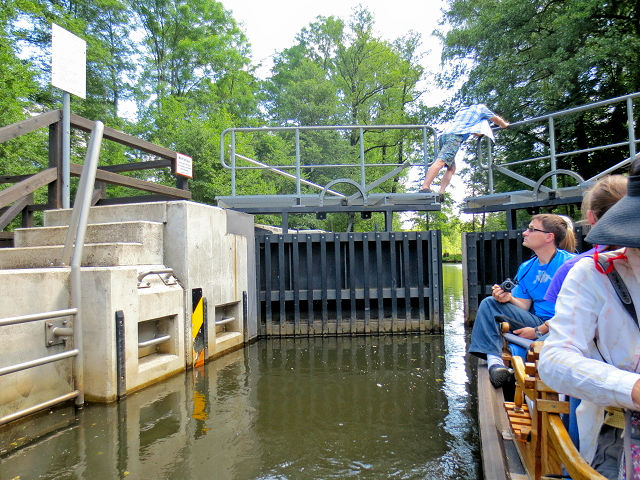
x,y
449,146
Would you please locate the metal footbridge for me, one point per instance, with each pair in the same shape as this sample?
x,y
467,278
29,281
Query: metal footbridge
x,y
319,180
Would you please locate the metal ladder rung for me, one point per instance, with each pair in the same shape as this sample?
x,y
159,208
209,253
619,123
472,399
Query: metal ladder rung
x,y
154,341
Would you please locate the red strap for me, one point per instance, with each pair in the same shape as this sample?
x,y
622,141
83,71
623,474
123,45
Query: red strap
x,y
610,261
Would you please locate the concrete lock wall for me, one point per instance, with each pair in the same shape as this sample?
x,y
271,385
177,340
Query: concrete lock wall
x,y
29,292
196,244
205,255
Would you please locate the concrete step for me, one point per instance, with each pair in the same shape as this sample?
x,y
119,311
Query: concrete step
x,y
149,211
147,233
93,255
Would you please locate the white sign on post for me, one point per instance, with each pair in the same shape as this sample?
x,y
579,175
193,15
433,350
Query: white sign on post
x,y
68,61
184,165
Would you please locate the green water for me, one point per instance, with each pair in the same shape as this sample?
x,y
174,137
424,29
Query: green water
x,y
363,407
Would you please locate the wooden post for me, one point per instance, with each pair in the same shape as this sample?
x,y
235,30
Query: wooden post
x,y
54,199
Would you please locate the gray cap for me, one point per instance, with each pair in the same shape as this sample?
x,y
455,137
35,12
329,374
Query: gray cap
x,y
620,225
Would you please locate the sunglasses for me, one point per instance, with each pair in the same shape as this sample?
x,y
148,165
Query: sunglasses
x,y
532,229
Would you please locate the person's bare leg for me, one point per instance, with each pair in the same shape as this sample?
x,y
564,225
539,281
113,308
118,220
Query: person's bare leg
x,y
432,172
446,178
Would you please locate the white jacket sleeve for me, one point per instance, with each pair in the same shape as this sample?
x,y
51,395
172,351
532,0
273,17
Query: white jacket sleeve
x,y
591,346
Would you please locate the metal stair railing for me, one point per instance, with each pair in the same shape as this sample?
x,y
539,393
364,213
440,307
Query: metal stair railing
x,y
75,236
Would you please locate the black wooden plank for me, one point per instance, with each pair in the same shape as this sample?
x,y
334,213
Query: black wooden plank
x,y
281,285
338,282
493,263
436,275
352,285
323,281
420,283
482,272
394,282
380,269
295,279
407,282
365,282
311,268
268,286
259,242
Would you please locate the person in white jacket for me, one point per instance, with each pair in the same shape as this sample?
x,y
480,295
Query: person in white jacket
x,y
593,348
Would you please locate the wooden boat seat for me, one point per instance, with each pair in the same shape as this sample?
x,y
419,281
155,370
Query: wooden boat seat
x,y
542,441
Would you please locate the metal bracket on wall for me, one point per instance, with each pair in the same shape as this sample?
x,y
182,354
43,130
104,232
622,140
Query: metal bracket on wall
x,y
56,331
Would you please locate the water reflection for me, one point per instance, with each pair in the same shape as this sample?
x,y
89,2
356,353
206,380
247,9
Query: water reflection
x,y
366,407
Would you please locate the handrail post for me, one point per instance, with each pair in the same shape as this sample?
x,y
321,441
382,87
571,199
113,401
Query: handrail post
x,y
631,128
424,147
83,203
362,175
66,148
298,161
490,167
552,152
233,162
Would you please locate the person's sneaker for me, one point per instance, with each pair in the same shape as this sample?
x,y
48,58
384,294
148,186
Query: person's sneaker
x,y
425,190
499,375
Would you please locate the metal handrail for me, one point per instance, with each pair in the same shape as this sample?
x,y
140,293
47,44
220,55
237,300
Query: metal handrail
x,y
75,236
18,367
224,321
553,153
36,408
37,316
426,132
152,272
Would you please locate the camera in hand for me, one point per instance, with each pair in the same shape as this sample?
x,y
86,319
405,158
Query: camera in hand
x,y
508,285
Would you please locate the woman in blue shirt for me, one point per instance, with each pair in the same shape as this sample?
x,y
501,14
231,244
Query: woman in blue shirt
x,y
551,239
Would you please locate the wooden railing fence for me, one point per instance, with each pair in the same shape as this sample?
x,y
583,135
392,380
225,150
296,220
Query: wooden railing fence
x,y
18,199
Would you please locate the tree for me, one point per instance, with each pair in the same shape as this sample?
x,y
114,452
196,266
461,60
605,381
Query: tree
x,y
339,73
18,81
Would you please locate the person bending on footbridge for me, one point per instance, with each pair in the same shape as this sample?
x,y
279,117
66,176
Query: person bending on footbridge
x,y
470,120
551,239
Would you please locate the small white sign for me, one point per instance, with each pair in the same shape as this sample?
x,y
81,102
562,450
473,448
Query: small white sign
x,y
184,165
68,61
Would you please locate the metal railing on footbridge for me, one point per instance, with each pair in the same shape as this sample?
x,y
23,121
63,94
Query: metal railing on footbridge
x,y
545,130
56,334
428,137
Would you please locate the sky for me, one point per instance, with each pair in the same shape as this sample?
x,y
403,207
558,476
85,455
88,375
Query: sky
x,y
271,26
